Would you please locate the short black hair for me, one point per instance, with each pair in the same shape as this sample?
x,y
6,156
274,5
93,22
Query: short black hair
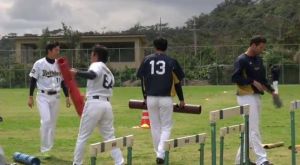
x,y
160,44
257,39
51,45
101,52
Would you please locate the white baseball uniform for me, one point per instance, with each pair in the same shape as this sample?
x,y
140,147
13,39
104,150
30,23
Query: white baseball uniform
x,y
246,70
97,112
49,79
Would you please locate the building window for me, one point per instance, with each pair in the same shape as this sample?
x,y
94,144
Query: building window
x,y
29,53
121,54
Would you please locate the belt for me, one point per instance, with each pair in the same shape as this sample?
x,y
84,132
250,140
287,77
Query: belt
x,y
100,98
49,92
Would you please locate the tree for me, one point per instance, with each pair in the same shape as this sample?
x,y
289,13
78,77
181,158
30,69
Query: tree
x,y
71,36
44,38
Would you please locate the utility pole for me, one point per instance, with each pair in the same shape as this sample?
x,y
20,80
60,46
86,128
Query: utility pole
x,y
159,26
195,38
194,29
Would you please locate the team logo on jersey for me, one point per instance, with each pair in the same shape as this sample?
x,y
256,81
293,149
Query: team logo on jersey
x,y
50,73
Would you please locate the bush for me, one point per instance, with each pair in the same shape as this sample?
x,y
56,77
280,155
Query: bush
x,y
16,76
124,75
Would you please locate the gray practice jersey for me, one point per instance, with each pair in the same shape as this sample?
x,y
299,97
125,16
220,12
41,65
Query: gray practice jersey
x,y
103,83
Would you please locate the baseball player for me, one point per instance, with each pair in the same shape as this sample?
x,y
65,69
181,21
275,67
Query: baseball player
x,y
250,76
46,76
160,74
97,110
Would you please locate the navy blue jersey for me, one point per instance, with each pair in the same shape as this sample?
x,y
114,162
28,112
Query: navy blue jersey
x,y
246,70
157,72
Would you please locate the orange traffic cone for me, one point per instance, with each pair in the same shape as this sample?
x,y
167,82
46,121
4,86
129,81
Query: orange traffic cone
x,y
145,122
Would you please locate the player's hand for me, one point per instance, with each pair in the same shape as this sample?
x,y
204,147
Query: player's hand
x,y
73,71
83,96
276,100
68,102
258,86
181,104
274,94
30,102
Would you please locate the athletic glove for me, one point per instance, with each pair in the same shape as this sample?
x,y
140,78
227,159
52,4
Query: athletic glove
x,y
277,101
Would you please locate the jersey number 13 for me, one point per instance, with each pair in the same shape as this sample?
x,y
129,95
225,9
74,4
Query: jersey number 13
x,y
158,67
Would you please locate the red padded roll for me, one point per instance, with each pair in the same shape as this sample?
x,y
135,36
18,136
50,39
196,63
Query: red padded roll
x,y
71,84
65,69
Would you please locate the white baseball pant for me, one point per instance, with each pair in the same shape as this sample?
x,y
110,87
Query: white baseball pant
x,y
160,113
254,133
2,157
48,106
96,113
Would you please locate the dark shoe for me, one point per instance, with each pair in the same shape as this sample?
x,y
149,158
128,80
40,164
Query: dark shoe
x,y
160,161
266,163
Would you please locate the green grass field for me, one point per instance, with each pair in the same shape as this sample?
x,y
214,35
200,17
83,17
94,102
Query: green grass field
x,y
20,129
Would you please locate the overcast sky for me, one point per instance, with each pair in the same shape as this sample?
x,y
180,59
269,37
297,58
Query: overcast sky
x,y
31,16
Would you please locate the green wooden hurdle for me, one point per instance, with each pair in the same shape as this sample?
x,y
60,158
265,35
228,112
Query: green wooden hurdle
x,y
230,130
121,142
294,106
183,141
225,114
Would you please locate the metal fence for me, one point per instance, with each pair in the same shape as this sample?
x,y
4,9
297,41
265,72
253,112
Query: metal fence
x,y
202,64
